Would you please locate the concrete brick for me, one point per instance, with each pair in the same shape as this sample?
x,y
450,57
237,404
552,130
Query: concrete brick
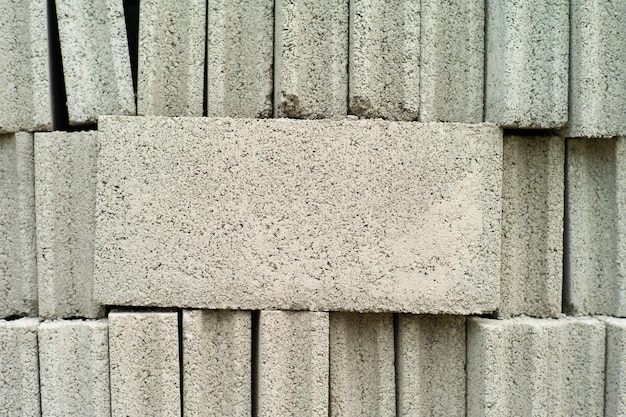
x,y
430,365
362,376
144,361
96,61
18,251
311,59
240,51
532,226
282,214
452,61
74,368
384,63
19,379
527,63
527,366
65,185
172,48
597,95
24,75
292,364
596,227
216,363
615,392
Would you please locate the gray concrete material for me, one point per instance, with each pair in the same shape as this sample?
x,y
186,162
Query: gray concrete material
x,y
597,92
172,50
216,363
527,366
240,52
311,59
291,214
18,251
615,390
74,368
384,62
96,61
24,74
527,61
65,186
596,227
293,364
362,375
19,376
144,363
452,61
430,365
532,226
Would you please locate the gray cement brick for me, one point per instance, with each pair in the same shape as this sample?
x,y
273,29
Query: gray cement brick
x,y
529,366
172,48
18,251
24,74
144,363
65,185
74,368
240,51
430,365
216,363
596,227
527,63
19,375
615,388
311,59
293,364
96,62
452,61
282,214
362,376
597,94
384,63
532,226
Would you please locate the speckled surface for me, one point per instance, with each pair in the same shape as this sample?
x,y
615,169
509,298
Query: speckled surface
x,y
615,392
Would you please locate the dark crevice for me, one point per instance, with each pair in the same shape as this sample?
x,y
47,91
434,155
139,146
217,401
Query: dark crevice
x,y
566,306
134,309
396,356
205,88
181,370
131,17
254,368
531,132
58,97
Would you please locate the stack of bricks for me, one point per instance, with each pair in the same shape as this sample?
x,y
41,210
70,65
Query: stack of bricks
x,y
406,210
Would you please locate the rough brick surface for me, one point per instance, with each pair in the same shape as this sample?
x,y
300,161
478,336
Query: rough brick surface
x,y
65,187
18,258
216,363
615,392
293,364
532,226
74,368
293,214
430,365
362,377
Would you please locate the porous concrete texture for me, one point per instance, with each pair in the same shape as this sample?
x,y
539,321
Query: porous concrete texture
x,y
362,376
74,368
240,54
216,363
65,186
526,366
527,63
96,61
172,48
597,87
311,59
292,374
384,60
18,251
615,387
596,227
19,368
430,365
452,60
532,226
144,363
282,214
24,75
